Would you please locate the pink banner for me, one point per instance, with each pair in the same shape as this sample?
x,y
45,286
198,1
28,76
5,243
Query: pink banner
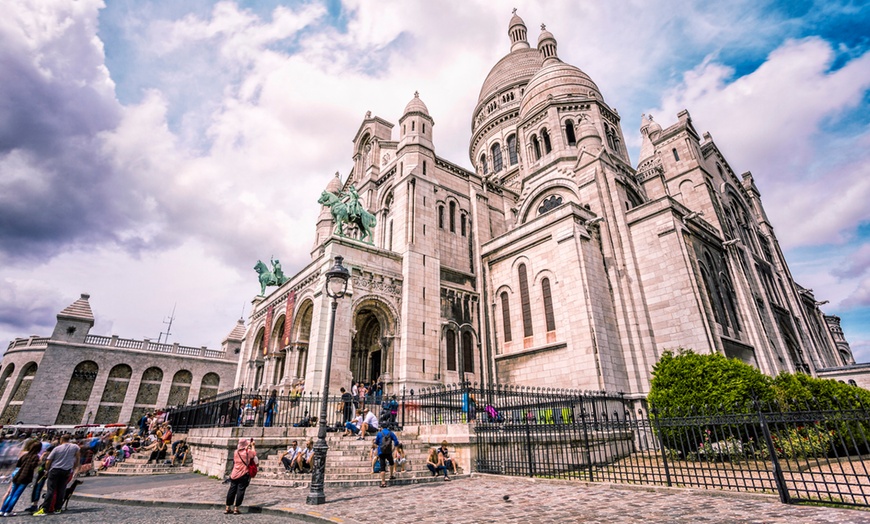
x,y
288,317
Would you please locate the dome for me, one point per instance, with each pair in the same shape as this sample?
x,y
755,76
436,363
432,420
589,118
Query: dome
x,y
334,186
416,105
516,67
557,79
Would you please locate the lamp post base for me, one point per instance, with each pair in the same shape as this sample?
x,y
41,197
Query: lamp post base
x,y
315,500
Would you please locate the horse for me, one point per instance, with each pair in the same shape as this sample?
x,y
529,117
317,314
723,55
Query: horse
x,y
266,277
365,221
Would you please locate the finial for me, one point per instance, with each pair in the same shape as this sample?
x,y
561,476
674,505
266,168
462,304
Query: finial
x,y
337,175
514,11
368,114
416,94
543,27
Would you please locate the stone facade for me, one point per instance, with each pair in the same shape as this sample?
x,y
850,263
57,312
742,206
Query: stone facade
x,y
72,377
556,262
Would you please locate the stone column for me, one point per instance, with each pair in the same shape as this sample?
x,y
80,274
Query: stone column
x,y
130,397
96,394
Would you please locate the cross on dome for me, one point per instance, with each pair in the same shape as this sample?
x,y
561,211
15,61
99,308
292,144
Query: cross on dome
x,y
543,27
514,11
416,94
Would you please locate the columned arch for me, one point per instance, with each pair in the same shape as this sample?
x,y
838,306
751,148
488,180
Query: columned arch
x,y
16,399
300,337
374,324
78,392
114,394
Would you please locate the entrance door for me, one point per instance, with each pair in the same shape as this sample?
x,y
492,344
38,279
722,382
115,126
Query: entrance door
x,y
375,367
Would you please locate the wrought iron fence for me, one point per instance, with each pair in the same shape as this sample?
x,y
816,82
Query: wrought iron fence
x,y
803,453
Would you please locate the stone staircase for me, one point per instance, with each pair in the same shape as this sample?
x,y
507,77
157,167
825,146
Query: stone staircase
x,y
348,463
137,464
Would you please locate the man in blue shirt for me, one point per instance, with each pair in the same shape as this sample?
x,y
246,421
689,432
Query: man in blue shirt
x,y
387,442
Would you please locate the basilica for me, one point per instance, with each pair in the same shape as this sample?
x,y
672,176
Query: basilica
x,y
556,262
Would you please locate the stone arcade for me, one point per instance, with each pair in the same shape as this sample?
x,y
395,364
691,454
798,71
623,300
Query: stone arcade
x,y
555,262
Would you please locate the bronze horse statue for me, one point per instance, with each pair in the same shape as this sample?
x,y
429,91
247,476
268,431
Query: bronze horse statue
x,y
341,214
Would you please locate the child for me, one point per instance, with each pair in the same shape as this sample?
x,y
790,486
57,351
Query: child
x,y
109,461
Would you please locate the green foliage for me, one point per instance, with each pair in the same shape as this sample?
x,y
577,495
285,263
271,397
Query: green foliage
x,y
685,380
801,392
799,442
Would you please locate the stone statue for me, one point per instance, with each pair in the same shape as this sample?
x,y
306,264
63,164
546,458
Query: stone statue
x,y
350,213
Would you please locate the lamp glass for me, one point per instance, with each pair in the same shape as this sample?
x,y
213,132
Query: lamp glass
x,y
336,279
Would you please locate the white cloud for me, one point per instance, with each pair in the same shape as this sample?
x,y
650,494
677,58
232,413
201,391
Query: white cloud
x,y
771,122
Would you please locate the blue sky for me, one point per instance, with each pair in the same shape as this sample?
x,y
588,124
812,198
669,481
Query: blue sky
x,y
152,151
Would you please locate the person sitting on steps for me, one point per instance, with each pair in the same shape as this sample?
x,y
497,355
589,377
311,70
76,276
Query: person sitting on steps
x,y
433,462
444,458
288,459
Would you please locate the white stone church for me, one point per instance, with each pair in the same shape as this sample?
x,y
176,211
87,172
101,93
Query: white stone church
x,y
557,262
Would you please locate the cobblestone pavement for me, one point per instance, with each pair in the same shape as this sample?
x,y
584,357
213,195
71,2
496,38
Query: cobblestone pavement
x,y
479,499
91,512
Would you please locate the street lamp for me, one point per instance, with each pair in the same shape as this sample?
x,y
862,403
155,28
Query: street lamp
x,y
336,286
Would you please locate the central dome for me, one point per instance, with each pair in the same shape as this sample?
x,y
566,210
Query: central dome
x,y
517,67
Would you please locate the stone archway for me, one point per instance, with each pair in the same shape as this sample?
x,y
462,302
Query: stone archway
x,y
371,357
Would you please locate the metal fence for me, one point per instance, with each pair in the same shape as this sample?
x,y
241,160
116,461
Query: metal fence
x,y
807,453
801,451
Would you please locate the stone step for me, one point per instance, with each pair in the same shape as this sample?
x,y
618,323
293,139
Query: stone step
x,y
148,470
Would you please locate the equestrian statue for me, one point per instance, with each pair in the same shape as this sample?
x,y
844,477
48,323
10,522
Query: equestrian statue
x,y
349,212
275,277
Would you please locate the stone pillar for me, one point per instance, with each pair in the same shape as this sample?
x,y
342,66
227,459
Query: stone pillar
x,y
96,394
130,397
165,386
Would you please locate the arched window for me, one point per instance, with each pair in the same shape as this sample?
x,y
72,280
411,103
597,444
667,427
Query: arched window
x,y
676,155
526,303
453,217
483,165
545,137
496,158
506,316
467,353
180,388
412,125
536,147
512,149
441,217
424,162
462,224
548,305
209,385
451,351
570,137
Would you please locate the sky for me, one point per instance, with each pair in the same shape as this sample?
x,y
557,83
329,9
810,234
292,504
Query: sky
x,y
151,151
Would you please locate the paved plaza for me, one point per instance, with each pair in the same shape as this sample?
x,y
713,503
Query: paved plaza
x,y
479,499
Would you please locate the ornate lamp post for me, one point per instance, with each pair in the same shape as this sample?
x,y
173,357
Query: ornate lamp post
x,y
336,286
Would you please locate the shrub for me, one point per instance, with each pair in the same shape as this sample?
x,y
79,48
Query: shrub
x,y
799,442
687,379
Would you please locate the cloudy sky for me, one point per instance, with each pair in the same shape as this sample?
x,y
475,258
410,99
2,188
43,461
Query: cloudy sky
x,y
152,150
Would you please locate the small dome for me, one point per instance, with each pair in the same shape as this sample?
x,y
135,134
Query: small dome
x,y
516,21
516,67
557,79
334,186
517,32
416,105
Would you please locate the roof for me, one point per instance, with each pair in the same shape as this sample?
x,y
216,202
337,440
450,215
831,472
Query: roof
x,y
518,66
80,309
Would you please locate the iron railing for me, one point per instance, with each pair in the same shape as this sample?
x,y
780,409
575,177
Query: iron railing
x,y
803,451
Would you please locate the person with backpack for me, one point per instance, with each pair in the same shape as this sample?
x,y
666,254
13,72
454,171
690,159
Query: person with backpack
x,y
386,442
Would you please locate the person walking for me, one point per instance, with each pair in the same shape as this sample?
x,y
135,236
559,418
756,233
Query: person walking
x,y
386,441
239,478
62,462
27,465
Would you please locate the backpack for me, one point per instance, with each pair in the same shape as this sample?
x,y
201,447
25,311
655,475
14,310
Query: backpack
x,y
386,443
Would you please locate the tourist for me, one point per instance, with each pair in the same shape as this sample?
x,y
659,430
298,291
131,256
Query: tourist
x,y
346,409
361,392
386,442
373,458
352,427
305,458
469,406
41,473
433,462
239,477
392,407
400,457
27,464
288,459
369,425
108,461
158,451
180,451
63,461
271,408
444,458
